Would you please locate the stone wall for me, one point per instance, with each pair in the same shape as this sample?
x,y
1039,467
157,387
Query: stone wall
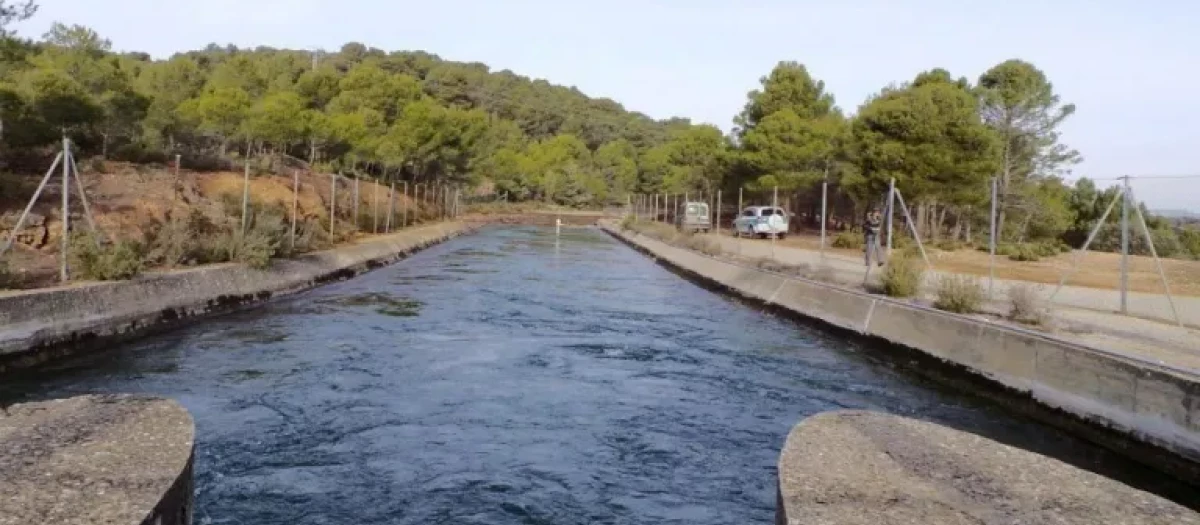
x,y
1112,399
42,324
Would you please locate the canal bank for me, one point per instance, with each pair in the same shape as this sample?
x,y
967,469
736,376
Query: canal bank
x,y
1145,410
41,325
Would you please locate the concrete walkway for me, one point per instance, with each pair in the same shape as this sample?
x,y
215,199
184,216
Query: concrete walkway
x,y
1085,315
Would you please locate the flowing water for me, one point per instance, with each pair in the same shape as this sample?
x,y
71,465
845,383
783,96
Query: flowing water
x,y
509,377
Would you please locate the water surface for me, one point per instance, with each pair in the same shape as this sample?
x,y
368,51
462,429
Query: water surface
x,y
509,377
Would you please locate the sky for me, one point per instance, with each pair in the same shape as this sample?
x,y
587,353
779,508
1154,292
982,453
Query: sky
x,y
1124,64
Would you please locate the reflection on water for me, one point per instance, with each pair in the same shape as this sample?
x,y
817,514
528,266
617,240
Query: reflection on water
x,y
512,376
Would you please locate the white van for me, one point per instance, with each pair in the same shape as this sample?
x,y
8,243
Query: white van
x,y
761,221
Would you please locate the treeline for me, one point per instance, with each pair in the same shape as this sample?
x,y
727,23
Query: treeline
x,y
413,116
942,139
360,110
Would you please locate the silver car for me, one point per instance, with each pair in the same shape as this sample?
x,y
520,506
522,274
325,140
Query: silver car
x,y
761,221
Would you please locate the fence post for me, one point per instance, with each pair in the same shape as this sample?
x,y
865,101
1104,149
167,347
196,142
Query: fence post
x,y
332,206
387,228
375,207
824,210
774,204
66,207
992,244
357,198
295,205
718,214
245,191
1125,247
404,203
891,210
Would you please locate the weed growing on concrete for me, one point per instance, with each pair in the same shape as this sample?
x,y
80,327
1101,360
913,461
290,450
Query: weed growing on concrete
x,y
1026,305
902,276
628,222
961,294
113,262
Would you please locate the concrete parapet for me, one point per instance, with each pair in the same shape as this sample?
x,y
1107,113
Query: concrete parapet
x,y
1140,401
852,467
35,325
96,459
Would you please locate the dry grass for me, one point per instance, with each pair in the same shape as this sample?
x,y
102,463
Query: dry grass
x,y
1095,269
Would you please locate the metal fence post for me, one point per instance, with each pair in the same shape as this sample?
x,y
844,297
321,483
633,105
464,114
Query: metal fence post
x,y
66,207
295,205
992,244
245,192
1125,248
332,206
718,214
824,210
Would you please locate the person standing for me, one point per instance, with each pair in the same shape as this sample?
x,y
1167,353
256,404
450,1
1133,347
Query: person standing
x,y
871,226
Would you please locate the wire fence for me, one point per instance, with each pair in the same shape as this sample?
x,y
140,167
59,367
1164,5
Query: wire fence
x,y
1096,249
340,207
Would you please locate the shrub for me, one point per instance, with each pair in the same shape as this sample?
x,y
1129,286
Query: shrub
x,y
252,248
1025,253
180,240
961,294
1026,305
902,276
949,245
93,261
628,222
848,240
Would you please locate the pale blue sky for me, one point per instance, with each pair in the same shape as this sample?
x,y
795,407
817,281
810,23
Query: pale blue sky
x,y
1125,64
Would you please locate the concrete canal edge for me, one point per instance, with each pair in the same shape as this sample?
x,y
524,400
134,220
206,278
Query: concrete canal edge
x,y
865,467
40,325
1146,411
117,459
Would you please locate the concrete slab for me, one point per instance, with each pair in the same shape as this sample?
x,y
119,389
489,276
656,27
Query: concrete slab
x,y
864,468
96,459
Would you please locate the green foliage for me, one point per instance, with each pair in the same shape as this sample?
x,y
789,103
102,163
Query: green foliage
x,y
848,240
962,294
927,137
902,276
628,222
93,261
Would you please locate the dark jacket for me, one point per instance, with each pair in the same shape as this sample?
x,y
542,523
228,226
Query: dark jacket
x,y
872,224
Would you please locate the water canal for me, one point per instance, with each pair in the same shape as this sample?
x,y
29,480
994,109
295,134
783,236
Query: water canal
x,y
509,377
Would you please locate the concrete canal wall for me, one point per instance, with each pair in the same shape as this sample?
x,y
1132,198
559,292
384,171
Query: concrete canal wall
x,y
39,325
1114,400
97,459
